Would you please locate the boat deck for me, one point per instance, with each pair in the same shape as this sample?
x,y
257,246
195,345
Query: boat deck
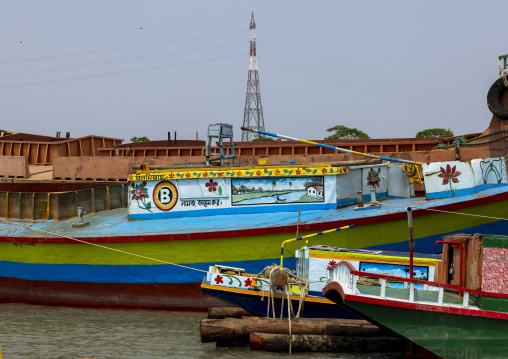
x,y
115,223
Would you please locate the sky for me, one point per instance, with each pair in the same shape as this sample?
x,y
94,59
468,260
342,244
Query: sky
x,y
145,68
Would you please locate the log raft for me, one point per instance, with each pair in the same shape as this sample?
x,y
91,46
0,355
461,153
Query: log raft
x,y
307,335
326,343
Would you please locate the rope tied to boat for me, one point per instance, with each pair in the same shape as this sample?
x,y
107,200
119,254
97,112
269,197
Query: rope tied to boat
x,y
285,278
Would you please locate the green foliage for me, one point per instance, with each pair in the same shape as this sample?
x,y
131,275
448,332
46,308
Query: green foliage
x,y
140,139
435,132
262,138
345,133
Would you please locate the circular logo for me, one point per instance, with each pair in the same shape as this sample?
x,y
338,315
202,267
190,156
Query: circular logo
x,y
165,195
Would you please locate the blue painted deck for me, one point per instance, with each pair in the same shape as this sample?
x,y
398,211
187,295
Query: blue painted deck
x,y
115,223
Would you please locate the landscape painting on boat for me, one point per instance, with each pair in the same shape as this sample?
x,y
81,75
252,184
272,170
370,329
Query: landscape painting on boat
x,y
279,190
396,270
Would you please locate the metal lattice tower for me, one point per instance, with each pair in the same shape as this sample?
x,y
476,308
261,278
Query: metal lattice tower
x,y
253,113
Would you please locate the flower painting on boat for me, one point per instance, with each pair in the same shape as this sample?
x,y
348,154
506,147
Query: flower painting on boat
x,y
449,174
140,194
281,190
373,177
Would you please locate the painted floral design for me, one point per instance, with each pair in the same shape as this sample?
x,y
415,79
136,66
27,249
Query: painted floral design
x,y
212,186
280,288
330,264
373,177
495,270
449,175
140,194
248,282
218,279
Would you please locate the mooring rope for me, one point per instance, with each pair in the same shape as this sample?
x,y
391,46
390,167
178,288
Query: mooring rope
x,y
100,246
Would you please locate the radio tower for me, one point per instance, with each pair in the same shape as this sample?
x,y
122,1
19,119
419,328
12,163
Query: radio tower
x,y
253,113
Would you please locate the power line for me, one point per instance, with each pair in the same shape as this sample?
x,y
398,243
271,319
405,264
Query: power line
x,y
121,48
354,87
381,86
374,73
117,61
46,82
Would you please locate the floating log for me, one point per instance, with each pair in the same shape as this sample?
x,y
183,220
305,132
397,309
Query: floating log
x,y
326,343
227,312
212,330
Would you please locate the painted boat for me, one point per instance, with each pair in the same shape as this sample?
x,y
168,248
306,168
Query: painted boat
x,y
180,221
251,291
464,314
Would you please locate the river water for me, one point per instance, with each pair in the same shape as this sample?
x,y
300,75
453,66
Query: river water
x,y
31,331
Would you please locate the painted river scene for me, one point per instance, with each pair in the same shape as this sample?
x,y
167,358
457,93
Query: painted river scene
x,y
263,179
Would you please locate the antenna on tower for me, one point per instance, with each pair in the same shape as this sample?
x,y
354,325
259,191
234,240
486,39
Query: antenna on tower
x,y
253,113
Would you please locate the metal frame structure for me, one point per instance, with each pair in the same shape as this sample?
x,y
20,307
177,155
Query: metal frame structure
x,y
253,112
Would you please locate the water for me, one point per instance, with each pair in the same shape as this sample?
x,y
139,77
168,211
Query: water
x,y
30,331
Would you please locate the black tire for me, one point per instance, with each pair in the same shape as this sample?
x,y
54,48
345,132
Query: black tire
x,y
493,100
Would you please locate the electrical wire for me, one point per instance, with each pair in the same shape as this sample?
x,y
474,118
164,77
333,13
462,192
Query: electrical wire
x,y
107,74
117,61
369,81
363,90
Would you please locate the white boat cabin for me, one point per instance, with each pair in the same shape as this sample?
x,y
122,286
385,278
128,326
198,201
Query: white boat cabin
x,y
192,192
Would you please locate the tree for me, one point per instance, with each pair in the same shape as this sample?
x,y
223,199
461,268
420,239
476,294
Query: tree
x,y
435,132
345,133
140,139
262,138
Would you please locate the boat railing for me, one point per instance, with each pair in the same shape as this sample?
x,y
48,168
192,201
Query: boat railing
x,y
411,290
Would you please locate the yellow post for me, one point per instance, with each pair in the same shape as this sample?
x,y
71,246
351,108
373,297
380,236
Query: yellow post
x,y
47,208
308,236
109,198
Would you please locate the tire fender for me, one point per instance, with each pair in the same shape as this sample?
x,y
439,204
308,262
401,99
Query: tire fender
x,y
493,96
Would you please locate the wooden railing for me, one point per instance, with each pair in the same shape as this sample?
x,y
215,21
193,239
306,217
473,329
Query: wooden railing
x,y
61,205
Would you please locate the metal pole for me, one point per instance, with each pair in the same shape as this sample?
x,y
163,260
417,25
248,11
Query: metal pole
x,y
308,236
411,240
330,147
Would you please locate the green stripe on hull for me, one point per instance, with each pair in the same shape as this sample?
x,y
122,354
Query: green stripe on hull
x,y
447,335
495,242
246,248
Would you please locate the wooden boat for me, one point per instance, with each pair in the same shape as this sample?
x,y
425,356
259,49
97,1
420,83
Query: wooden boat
x,y
251,291
463,314
182,220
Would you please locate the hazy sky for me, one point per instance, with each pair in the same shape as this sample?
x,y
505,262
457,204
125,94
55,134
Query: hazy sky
x,y
143,68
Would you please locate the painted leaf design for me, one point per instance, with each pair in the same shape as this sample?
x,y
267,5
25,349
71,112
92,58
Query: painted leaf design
x,y
220,191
